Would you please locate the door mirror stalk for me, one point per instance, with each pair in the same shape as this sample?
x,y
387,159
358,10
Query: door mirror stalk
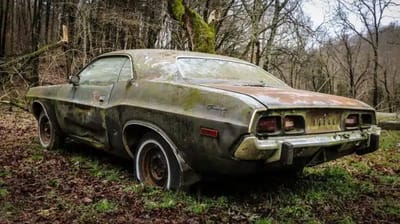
x,y
74,80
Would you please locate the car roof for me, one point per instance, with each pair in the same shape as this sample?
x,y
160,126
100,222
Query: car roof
x,y
170,55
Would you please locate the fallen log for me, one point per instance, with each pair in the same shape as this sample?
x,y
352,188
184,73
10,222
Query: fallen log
x,y
389,125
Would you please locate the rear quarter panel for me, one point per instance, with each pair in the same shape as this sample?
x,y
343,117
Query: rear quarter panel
x,y
180,110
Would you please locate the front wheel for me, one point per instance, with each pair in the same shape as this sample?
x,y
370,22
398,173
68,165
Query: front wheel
x,y
48,135
156,164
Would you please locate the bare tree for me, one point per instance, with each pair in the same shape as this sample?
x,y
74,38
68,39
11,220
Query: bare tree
x,y
354,62
370,13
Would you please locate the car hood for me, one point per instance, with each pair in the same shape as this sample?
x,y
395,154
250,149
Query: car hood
x,y
273,97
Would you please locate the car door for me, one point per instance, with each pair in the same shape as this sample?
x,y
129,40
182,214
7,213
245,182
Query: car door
x,y
86,112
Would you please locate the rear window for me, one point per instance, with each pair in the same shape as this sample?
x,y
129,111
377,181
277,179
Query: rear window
x,y
224,70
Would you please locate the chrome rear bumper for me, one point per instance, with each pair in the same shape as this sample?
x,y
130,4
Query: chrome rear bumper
x,y
253,148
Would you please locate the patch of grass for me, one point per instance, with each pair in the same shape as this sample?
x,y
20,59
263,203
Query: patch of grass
x,y
300,212
263,221
8,210
346,220
389,139
53,183
164,203
97,168
3,192
362,167
156,198
391,207
316,196
134,188
197,207
37,157
389,179
105,206
5,174
202,205
336,181
167,200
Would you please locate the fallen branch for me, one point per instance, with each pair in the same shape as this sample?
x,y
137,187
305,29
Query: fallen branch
x,y
33,54
18,104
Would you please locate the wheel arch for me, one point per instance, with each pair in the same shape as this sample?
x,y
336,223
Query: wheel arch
x,y
141,127
37,108
135,129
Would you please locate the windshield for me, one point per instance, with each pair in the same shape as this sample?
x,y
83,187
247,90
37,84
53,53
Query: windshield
x,y
223,70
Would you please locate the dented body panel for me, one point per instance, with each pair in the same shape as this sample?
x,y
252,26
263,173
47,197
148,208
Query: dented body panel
x,y
157,97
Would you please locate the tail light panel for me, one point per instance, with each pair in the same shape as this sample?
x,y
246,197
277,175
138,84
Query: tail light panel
x,y
352,121
275,125
293,124
269,125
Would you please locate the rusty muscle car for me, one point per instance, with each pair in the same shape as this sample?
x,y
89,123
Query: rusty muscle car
x,y
181,116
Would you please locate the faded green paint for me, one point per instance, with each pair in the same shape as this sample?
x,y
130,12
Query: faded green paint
x,y
192,99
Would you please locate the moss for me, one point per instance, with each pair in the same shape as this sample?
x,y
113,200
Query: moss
x,y
191,99
204,34
178,9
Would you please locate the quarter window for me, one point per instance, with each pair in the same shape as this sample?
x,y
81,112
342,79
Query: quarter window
x,y
103,71
126,71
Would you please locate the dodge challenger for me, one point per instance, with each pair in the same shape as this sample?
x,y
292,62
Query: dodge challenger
x,y
181,116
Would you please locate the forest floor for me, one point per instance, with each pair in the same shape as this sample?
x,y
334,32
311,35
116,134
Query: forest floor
x,y
80,185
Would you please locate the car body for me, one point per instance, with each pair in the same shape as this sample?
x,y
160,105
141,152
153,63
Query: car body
x,y
183,115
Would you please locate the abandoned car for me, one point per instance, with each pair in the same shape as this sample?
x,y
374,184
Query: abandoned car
x,y
181,116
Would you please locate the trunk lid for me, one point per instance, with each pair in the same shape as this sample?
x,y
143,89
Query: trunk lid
x,y
275,98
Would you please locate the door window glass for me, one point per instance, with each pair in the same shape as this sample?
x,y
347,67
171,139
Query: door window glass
x,y
103,71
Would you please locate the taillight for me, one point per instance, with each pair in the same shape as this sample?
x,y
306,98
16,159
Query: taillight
x,y
351,121
293,123
289,123
366,119
268,124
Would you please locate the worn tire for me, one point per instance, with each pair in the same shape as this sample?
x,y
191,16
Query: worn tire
x,y
156,164
49,136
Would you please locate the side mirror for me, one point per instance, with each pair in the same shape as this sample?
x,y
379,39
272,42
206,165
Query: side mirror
x,y
74,80
131,82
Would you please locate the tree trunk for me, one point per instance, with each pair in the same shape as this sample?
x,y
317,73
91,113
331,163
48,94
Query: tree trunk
x,y
375,85
35,35
3,26
201,34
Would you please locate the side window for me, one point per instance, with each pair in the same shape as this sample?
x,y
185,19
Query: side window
x,y
103,71
126,71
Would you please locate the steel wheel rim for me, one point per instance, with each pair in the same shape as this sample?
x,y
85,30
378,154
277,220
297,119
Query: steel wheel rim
x,y
154,166
45,131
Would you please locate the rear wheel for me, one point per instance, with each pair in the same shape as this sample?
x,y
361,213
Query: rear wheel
x,y
155,163
49,137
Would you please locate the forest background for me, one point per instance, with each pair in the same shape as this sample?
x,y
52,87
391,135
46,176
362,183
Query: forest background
x,y
353,54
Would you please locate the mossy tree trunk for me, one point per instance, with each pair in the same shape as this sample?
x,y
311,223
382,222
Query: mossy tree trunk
x,y
201,34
